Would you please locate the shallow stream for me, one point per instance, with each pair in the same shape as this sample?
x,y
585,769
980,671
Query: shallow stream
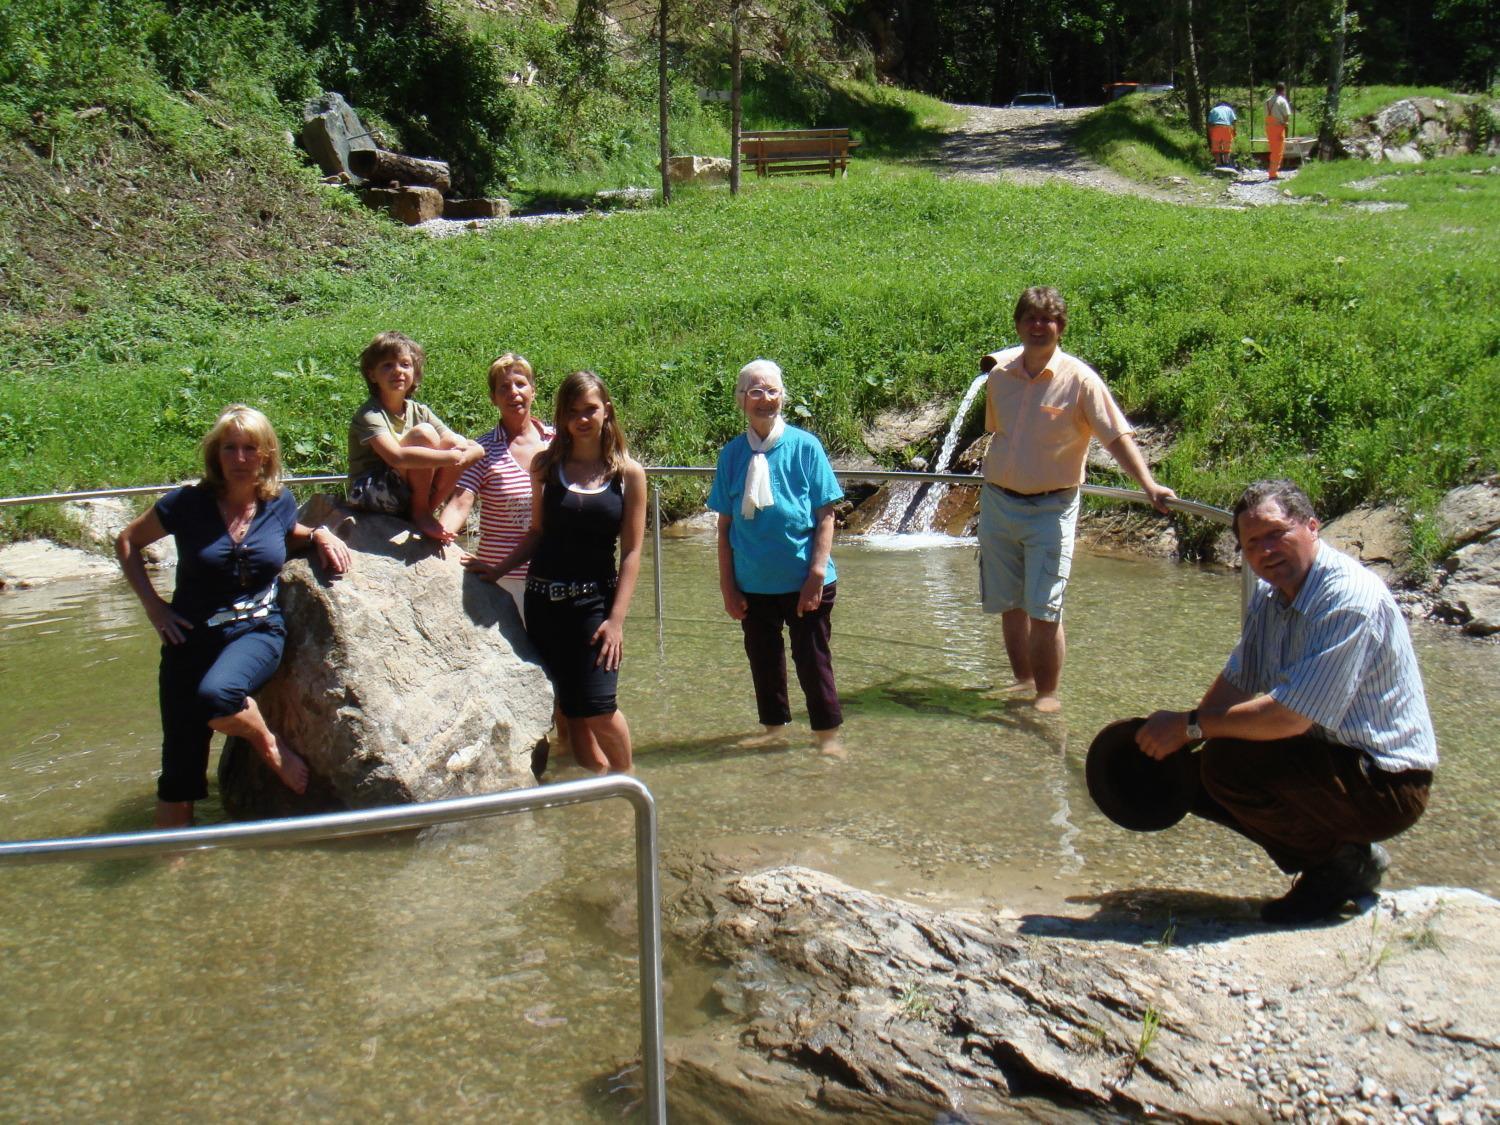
x,y
488,971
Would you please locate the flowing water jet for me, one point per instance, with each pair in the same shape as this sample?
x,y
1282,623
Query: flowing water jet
x,y
911,508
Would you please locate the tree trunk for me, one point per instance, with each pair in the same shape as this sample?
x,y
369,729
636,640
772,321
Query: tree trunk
x,y
663,103
380,167
1328,129
999,72
734,99
1197,111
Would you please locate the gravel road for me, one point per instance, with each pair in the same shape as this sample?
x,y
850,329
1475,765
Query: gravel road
x,y
1033,146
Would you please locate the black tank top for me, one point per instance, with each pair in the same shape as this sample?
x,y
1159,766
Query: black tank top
x,y
579,531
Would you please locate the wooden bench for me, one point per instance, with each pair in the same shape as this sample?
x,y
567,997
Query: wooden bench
x,y
775,152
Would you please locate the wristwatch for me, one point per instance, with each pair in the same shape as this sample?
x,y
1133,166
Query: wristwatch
x,y
1194,731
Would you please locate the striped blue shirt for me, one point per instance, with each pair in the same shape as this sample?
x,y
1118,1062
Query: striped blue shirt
x,y
1340,655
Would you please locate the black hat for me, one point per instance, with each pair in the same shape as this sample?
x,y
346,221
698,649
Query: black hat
x,y
1133,789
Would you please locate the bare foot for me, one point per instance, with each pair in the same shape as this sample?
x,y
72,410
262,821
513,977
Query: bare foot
x,y
767,738
1048,704
288,765
831,743
430,528
1015,687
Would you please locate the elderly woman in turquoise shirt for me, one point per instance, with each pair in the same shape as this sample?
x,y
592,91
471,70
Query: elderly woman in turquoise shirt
x,y
774,491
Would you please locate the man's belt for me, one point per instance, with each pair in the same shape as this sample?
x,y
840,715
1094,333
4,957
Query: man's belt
x,y
1034,495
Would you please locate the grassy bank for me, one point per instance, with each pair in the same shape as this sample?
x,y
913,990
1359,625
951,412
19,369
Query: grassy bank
x,y
1355,352
1148,138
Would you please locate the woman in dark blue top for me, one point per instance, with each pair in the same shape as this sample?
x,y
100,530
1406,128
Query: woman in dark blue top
x,y
222,632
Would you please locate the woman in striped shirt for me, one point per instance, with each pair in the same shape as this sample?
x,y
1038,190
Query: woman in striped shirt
x,y
502,478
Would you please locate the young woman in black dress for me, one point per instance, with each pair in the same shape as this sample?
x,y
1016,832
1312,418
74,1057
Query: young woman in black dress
x,y
587,495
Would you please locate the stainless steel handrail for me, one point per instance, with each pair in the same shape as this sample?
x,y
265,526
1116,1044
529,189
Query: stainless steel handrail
x,y
1106,491
365,822
139,490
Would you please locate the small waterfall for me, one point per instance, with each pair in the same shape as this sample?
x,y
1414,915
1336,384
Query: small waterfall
x,y
912,507
922,518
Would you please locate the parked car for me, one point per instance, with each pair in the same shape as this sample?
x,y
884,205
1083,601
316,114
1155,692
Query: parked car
x,y
1034,101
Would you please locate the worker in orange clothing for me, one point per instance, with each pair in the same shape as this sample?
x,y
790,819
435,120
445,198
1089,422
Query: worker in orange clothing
x,y
1221,119
1278,113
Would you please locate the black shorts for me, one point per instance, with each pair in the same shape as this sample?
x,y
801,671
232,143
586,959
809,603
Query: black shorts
x,y
562,632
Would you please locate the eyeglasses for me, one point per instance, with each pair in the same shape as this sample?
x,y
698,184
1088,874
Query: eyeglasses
x,y
761,394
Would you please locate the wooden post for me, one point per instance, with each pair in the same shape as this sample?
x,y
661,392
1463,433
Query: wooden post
x,y
734,99
664,101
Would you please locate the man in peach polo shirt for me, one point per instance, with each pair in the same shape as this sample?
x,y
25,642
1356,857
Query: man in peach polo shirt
x,y
1042,407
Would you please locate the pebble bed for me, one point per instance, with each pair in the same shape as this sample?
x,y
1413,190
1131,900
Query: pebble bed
x,y
1296,1065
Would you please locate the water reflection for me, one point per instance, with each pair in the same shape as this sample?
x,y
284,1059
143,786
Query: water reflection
x,y
489,970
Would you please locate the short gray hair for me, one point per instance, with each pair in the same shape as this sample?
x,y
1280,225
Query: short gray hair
x,y
1287,494
763,368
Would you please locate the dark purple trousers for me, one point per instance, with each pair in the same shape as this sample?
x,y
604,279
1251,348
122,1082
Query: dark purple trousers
x,y
811,654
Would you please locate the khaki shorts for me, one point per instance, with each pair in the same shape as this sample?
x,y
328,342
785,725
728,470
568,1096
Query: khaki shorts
x,y
1026,550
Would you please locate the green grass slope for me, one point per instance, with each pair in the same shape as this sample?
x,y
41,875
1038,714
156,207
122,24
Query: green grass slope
x,y
1356,352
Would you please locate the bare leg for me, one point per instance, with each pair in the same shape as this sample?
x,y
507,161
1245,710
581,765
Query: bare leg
x,y
444,479
586,750
423,496
250,725
174,814
1016,627
612,736
563,744
1047,649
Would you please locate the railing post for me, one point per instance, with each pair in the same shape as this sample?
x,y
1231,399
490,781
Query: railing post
x,y
648,923
656,559
396,818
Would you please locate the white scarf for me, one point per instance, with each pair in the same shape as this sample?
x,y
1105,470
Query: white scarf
x,y
758,471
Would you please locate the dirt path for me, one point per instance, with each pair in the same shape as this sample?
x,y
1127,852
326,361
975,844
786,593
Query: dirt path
x,y
1032,146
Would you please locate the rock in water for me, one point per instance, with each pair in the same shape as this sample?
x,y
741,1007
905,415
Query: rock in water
x,y
405,680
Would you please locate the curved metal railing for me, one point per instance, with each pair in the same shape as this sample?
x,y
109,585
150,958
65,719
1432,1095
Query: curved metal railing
x,y
1104,491
366,822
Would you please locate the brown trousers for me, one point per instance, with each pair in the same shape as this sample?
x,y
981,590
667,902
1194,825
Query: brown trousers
x,y
1303,798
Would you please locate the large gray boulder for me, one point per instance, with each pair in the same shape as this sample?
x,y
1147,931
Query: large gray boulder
x,y
1376,536
37,562
331,130
407,679
859,1004
1470,594
1466,513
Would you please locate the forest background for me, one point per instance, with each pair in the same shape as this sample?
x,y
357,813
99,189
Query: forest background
x,y
163,249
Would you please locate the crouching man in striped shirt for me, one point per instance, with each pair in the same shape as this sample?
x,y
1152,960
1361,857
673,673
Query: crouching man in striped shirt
x,y
1318,738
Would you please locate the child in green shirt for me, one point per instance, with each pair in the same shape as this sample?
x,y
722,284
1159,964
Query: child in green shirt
x,y
402,460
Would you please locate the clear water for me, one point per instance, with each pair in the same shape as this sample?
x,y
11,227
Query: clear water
x,y
488,971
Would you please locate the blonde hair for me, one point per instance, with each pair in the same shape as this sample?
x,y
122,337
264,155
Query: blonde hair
x,y
384,346
255,426
509,364
612,448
